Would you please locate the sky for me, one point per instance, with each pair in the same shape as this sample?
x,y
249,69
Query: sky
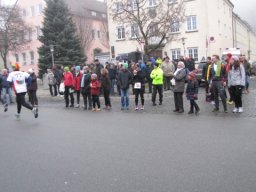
x,y
244,8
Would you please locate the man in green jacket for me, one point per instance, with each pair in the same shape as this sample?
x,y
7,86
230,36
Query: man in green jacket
x,y
157,77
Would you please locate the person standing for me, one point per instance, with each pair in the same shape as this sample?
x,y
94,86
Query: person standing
x,y
178,83
192,93
6,87
168,69
18,79
139,86
86,89
68,83
124,79
106,87
247,68
95,91
148,70
32,88
157,77
77,84
112,75
52,82
217,82
236,82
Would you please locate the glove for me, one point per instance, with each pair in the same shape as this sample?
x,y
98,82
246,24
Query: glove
x,y
195,96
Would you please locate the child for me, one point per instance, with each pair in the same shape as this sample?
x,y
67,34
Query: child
x,y
95,92
192,92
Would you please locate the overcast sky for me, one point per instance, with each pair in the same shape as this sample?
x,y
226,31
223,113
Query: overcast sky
x,y
244,8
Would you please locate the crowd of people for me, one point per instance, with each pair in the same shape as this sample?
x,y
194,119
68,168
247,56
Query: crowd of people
x,y
157,75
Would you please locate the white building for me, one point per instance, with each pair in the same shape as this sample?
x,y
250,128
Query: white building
x,y
209,28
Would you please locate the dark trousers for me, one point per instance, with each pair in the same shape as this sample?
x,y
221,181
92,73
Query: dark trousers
x,y
149,85
106,94
237,95
193,105
20,99
78,96
218,90
159,89
167,83
67,94
33,98
55,89
95,100
178,100
139,92
87,99
231,94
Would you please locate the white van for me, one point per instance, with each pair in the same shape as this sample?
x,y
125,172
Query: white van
x,y
233,51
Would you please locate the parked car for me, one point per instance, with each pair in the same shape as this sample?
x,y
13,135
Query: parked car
x,y
199,74
253,68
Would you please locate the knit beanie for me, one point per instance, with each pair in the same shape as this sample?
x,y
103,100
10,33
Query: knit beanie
x,y
66,69
78,68
16,67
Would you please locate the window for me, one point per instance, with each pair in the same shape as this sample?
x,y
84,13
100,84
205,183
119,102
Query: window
x,y
119,7
99,35
94,13
32,8
175,25
175,53
134,31
152,3
153,30
193,53
32,58
24,58
40,8
172,1
29,34
133,4
16,57
93,34
120,33
38,32
191,23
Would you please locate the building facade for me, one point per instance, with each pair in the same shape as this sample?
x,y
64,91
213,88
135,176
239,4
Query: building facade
x,y
91,20
209,28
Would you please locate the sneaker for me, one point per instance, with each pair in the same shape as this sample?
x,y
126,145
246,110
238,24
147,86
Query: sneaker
x,y
154,104
136,108
215,110
17,115
235,110
160,103
127,108
5,107
98,109
122,108
93,109
230,102
71,105
142,107
77,106
35,112
197,111
190,112
212,102
240,110
225,111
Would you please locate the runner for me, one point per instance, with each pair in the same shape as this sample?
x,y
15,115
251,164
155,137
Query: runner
x,y
18,78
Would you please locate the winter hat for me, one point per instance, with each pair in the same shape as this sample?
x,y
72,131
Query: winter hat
x,y
159,61
30,70
94,76
16,67
66,69
235,58
192,74
126,65
78,68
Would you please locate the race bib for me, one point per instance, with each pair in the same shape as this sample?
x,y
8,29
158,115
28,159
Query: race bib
x,y
137,85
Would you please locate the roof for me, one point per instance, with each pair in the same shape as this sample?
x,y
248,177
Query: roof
x,y
79,6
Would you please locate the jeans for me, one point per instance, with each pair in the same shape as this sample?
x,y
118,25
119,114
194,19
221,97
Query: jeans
x,y
6,91
113,82
87,99
218,90
125,98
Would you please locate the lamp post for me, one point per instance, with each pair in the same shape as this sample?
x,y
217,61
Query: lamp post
x,y
52,51
183,43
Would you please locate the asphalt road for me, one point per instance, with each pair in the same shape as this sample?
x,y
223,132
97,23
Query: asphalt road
x,y
67,150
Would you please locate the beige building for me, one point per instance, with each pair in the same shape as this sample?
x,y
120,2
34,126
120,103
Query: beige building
x,y
210,26
89,15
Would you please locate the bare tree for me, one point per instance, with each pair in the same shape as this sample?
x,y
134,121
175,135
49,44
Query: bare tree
x,y
13,31
152,22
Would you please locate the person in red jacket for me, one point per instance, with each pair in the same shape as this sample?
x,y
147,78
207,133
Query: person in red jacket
x,y
68,83
95,92
77,84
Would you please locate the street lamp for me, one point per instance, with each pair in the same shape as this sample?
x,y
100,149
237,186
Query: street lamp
x,y
183,43
52,50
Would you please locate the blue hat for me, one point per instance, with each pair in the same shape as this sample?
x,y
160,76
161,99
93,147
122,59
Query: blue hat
x,y
78,68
